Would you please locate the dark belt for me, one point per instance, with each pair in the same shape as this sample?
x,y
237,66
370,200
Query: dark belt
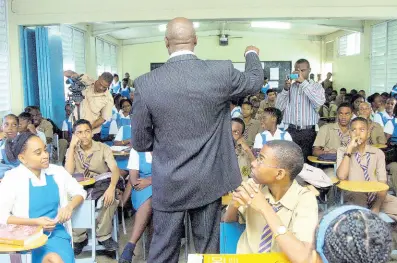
x,y
308,127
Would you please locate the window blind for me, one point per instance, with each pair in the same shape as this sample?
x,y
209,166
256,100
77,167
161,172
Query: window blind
x,y
106,57
350,44
5,105
73,49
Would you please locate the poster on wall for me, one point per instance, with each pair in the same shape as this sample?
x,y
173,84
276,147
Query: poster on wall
x,y
241,65
274,74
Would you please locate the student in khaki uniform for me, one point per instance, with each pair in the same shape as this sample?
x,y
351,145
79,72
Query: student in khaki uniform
x,y
40,123
270,101
280,215
377,136
94,159
252,126
334,135
98,102
362,162
243,151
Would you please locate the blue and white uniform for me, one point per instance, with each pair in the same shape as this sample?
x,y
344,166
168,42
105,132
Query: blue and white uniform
x,y
262,138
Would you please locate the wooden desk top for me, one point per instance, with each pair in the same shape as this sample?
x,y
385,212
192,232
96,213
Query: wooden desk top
x,y
12,248
380,146
87,182
361,186
314,159
125,154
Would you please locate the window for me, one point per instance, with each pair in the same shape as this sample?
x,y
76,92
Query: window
x,y
106,57
73,49
350,44
383,57
5,105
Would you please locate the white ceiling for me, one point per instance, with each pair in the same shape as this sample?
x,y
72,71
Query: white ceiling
x,y
133,33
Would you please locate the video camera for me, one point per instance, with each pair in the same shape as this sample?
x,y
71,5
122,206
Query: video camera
x,y
76,87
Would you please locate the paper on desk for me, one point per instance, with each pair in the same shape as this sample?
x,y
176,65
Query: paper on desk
x,y
118,148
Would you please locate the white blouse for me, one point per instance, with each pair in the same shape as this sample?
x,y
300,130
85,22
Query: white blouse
x,y
14,190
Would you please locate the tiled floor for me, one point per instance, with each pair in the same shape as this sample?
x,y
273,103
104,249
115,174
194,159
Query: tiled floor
x,y
123,239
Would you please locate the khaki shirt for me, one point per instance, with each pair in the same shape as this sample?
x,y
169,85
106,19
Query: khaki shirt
x,y
330,111
328,137
377,134
299,214
95,105
251,130
100,162
46,127
376,167
244,163
266,104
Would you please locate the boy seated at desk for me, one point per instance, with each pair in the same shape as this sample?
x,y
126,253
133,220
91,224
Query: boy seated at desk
x,y
361,162
376,134
270,118
280,215
332,136
94,159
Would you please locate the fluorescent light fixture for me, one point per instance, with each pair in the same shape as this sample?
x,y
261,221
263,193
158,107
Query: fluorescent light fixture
x,y
271,24
163,27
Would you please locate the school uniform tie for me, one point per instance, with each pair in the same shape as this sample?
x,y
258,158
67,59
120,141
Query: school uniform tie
x,y
267,235
343,144
86,163
370,196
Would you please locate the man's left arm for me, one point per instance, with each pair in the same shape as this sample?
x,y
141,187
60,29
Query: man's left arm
x,y
314,92
111,163
142,133
381,175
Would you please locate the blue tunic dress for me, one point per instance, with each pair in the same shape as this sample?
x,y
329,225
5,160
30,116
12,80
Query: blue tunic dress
x,y
122,121
145,170
59,241
122,161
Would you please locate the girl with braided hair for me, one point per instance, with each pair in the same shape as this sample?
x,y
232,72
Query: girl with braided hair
x,y
37,193
352,234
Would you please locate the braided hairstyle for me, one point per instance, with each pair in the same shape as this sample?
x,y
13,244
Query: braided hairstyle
x,y
14,147
357,236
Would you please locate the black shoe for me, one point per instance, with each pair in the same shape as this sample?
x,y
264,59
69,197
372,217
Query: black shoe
x,y
78,247
109,244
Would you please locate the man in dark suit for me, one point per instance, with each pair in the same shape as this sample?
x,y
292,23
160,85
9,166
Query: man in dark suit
x,y
181,112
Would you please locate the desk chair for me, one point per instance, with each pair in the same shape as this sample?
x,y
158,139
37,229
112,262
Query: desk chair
x,y
241,258
85,217
230,233
15,258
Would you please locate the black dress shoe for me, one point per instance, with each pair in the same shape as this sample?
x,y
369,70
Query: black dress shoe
x,y
78,247
109,244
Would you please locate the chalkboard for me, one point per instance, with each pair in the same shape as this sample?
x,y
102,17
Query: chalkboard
x,y
153,66
284,68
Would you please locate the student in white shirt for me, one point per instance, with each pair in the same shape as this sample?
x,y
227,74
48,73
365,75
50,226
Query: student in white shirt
x,y
271,117
37,193
125,89
10,131
385,112
235,110
116,85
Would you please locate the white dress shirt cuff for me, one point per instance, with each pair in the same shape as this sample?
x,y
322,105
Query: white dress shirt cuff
x,y
250,51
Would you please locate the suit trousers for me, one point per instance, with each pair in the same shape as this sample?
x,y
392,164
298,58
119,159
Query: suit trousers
x,y
169,228
305,139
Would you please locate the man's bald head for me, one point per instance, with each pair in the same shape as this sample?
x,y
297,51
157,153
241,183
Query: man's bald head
x,y
180,35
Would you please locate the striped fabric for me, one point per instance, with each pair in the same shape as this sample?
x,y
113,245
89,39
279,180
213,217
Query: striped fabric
x,y
343,144
370,196
86,163
301,103
267,235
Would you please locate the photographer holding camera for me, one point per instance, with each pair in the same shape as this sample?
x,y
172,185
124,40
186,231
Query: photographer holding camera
x,y
97,104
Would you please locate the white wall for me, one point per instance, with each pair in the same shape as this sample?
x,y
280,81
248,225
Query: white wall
x,y
352,72
137,58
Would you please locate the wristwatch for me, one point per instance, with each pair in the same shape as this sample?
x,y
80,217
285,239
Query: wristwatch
x,y
281,230
348,155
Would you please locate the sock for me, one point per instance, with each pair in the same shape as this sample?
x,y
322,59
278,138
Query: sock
x,y
128,251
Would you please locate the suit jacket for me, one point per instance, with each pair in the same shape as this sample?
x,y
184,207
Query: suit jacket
x,y
181,112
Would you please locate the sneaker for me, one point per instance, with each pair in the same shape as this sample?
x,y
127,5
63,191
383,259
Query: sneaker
x,y
109,244
78,247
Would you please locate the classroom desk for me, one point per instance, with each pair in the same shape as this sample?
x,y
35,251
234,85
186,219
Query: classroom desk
x,y
240,258
359,186
121,154
87,182
35,244
315,160
380,146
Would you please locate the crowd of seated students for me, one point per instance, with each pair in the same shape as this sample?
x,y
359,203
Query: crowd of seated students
x,y
280,214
